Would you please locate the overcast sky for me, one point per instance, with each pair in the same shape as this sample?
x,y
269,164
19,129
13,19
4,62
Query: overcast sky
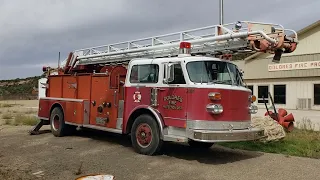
x,y
34,31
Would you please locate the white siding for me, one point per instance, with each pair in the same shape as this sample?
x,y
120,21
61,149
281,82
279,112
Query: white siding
x,y
295,88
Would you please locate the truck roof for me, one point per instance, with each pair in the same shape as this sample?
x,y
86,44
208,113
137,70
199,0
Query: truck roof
x,y
186,58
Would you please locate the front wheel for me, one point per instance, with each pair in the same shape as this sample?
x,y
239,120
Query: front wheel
x,y
145,135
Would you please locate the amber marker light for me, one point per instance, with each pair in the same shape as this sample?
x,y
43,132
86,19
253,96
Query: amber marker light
x,y
214,96
252,98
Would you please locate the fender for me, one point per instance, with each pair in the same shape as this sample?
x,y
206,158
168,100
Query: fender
x,y
56,104
155,113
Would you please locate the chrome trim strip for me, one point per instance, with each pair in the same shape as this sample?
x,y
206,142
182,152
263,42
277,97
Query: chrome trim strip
x,y
217,125
119,123
43,118
174,118
103,129
63,99
226,136
120,108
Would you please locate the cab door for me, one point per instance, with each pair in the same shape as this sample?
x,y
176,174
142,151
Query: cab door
x,y
173,99
143,77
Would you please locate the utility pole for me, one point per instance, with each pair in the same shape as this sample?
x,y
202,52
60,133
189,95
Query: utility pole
x,y
221,11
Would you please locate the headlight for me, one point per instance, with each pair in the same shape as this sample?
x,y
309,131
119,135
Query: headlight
x,y
253,109
214,108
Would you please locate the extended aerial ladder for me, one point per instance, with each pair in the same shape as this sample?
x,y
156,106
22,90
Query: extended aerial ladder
x,y
231,39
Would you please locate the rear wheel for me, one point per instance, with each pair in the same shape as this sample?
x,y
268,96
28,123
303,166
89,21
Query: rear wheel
x,y
145,135
58,126
201,145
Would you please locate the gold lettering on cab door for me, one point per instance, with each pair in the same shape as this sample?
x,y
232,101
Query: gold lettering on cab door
x,y
172,102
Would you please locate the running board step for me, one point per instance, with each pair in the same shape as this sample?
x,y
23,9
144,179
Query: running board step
x,y
174,138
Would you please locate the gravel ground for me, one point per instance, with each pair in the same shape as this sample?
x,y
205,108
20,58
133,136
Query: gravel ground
x,y
47,157
22,155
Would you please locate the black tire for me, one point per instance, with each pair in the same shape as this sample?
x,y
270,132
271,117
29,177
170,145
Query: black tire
x,y
200,145
143,124
58,127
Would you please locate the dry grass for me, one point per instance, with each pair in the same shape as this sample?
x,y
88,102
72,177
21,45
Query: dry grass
x,y
31,112
7,121
24,120
7,105
6,116
306,124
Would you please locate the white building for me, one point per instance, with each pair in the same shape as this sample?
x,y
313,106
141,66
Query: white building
x,y
294,83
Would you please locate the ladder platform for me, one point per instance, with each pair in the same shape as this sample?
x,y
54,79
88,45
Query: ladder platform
x,y
232,38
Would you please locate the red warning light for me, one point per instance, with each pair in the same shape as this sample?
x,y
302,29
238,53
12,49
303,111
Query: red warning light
x,y
186,45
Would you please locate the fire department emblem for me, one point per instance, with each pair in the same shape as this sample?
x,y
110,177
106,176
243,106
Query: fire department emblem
x,y
137,96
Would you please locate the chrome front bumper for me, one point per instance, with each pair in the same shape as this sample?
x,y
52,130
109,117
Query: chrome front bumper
x,y
225,135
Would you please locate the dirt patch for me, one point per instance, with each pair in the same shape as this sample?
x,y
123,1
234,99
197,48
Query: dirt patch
x,y
15,174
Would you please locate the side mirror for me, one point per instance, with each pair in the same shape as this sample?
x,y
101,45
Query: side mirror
x,y
169,75
241,73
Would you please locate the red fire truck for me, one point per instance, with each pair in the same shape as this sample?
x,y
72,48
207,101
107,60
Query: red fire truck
x,y
180,87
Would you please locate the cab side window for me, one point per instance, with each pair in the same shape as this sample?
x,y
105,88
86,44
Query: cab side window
x,y
178,75
144,73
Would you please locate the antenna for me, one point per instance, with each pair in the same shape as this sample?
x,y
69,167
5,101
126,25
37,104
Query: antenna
x,y
221,11
59,61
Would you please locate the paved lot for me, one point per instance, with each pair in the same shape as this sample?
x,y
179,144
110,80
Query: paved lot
x,y
21,155
46,157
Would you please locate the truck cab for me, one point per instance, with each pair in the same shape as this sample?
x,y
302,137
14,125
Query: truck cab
x,y
196,99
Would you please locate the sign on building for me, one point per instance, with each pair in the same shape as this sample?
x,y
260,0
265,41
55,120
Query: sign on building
x,y
294,66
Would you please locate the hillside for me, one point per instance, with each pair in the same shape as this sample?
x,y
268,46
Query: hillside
x,y
19,87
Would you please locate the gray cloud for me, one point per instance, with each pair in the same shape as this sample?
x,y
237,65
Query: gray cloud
x,y
33,32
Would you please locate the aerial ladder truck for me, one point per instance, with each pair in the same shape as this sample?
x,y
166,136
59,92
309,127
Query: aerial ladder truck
x,y
179,87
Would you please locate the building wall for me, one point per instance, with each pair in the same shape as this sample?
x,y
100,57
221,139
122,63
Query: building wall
x,y
296,88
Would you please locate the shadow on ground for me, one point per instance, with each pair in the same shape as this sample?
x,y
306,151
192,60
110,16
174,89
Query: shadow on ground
x,y
215,155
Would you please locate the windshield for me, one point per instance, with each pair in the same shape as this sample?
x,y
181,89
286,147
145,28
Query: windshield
x,y
218,72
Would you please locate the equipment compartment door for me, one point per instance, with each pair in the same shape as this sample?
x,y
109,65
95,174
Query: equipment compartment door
x,y
99,99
